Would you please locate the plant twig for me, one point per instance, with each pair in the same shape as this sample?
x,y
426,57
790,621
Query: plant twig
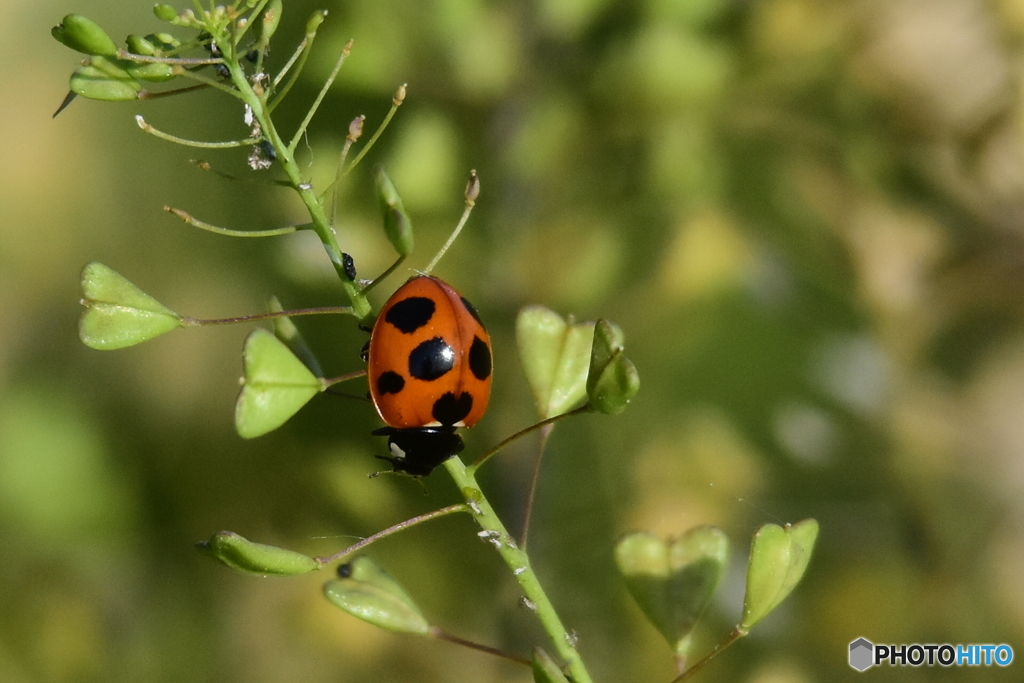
x,y
195,222
301,130
396,102
523,432
545,433
494,532
186,321
472,190
192,143
444,635
736,634
419,519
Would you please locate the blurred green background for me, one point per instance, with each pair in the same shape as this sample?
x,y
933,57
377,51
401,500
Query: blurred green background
x,y
805,214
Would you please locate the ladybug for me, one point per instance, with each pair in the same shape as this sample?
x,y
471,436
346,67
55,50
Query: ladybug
x,y
429,367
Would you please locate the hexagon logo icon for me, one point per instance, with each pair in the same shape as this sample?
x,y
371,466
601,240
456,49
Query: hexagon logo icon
x,y
862,653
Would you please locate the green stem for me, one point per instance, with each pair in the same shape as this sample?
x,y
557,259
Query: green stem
x,y
494,532
396,102
545,434
523,432
391,530
301,130
455,233
202,225
441,634
186,321
329,382
377,280
192,143
736,634
321,225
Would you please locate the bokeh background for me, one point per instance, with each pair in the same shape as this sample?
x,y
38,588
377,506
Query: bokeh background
x,y
805,214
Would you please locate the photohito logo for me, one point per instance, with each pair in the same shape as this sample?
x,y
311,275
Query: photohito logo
x,y
864,654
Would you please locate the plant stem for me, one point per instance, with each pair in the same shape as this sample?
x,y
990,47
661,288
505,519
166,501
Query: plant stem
x,y
321,225
202,225
441,634
736,634
186,321
191,143
523,432
545,434
494,532
426,517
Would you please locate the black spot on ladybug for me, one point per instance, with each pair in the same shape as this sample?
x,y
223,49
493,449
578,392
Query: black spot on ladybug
x,y
409,315
349,264
472,310
480,359
448,410
390,383
431,359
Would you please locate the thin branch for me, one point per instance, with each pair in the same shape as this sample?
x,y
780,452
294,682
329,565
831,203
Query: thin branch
x,y
291,61
205,80
355,130
302,55
474,182
545,433
736,634
377,280
206,166
320,97
320,310
461,507
396,102
254,15
195,222
192,143
331,381
444,635
150,95
181,61
523,432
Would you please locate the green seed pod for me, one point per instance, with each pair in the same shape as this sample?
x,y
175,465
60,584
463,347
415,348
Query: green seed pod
x,y
555,355
256,558
84,35
101,79
163,41
90,82
367,592
275,386
613,380
778,560
117,313
266,24
315,20
673,582
140,46
156,72
397,225
165,13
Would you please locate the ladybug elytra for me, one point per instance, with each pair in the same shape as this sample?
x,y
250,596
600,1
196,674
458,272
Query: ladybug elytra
x,y
429,368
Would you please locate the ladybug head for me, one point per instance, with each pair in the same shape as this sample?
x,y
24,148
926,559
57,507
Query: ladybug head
x,y
418,451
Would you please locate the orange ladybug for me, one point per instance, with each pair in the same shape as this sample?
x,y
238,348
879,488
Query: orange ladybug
x,y
429,367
